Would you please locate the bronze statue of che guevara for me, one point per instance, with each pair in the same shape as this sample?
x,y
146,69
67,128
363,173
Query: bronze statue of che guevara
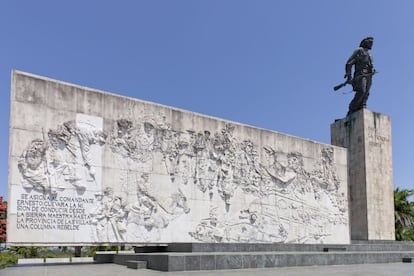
x,y
361,81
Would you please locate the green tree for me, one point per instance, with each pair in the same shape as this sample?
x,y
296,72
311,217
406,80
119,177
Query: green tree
x,y
404,215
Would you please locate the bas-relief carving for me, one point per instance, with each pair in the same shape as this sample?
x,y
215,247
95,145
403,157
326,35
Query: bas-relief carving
x,y
286,202
108,217
64,158
306,204
219,164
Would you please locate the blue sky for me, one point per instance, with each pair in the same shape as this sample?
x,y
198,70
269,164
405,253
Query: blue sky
x,y
271,64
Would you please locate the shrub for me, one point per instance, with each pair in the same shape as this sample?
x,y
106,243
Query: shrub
x,y
7,259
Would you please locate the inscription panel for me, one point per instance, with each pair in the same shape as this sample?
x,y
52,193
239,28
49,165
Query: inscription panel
x,y
376,139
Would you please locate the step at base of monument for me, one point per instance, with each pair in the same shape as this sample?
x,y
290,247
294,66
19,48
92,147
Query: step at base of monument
x,y
274,247
242,260
136,264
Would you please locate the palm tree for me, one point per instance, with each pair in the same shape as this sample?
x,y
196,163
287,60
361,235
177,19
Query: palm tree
x,y
404,215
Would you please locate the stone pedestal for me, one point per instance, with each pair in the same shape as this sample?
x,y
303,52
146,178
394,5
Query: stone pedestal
x,y
367,136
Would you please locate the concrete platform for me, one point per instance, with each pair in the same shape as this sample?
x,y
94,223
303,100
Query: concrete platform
x,y
199,257
392,269
243,260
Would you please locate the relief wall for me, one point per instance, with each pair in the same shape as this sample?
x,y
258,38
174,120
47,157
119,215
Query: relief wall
x,y
101,168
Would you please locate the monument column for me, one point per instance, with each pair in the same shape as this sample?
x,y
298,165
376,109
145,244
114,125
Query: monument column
x,y
367,136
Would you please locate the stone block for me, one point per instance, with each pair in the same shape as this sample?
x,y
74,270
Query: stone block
x,y
136,264
229,261
176,263
103,257
270,260
207,262
156,262
192,262
367,136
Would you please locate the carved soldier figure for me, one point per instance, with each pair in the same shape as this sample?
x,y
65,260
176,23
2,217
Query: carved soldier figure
x,y
363,71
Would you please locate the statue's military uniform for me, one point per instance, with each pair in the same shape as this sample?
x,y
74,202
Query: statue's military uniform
x,y
364,69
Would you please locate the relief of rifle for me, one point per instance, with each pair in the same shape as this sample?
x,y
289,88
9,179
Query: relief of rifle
x,y
339,86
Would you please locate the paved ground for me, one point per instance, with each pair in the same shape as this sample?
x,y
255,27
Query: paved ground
x,y
400,269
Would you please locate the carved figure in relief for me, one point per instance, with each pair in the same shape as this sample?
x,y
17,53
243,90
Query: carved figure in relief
x,y
144,211
117,219
175,204
133,141
86,138
324,178
326,187
260,222
110,217
124,141
224,153
210,229
183,162
153,212
33,167
146,141
148,137
279,173
205,167
98,219
253,225
145,219
225,183
248,173
76,139
329,178
64,156
302,181
70,153
170,146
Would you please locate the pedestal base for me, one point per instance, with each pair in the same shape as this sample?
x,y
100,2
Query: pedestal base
x,y
367,136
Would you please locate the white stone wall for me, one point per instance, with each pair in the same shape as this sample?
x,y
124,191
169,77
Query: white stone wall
x,y
91,167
